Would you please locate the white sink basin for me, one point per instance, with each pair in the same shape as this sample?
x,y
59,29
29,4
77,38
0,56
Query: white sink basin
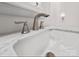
x,y
30,44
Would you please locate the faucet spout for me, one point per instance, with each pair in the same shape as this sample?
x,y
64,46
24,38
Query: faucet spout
x,y
35,23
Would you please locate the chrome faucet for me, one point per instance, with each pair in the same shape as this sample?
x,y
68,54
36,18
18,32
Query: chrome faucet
x,y
35,23
24,25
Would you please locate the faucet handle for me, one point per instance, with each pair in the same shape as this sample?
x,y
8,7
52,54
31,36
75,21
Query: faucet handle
x,y
41,24
25,25
19,22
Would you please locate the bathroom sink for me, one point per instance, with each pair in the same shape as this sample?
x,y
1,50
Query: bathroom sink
x,y
30,44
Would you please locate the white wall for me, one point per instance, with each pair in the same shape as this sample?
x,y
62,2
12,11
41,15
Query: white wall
x,y
54,9
71,10
46,6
